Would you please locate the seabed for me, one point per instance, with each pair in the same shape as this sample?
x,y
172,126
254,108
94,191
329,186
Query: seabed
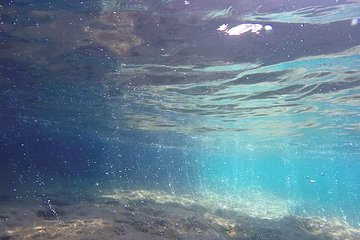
x,y
146,214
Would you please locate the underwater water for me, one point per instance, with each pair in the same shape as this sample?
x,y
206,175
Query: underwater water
x,y
199,119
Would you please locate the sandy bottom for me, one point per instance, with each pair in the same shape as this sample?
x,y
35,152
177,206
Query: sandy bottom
x,y
153,215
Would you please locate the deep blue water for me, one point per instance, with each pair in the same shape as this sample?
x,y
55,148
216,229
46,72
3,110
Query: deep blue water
x,y
149,95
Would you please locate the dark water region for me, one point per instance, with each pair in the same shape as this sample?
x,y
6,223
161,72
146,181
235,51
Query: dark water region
x,y
199,119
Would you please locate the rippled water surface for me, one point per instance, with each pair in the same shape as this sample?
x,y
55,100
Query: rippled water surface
x,y
135,94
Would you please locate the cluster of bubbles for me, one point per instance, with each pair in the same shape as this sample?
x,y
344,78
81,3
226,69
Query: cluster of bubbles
x,y
244,28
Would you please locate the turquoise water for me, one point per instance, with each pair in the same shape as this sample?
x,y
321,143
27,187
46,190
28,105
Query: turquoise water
x,y
105,95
